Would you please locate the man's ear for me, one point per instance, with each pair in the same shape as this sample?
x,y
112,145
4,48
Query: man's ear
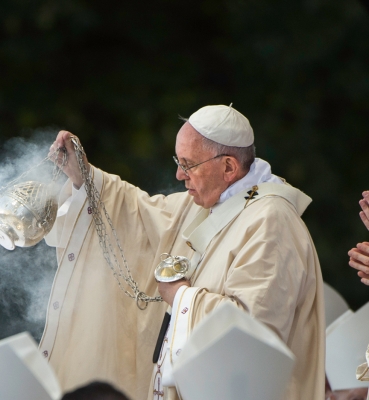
x,y
232,169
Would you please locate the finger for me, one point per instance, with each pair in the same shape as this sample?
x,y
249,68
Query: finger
x,y
363,247
362,250
366,195
64,140
364,215
363,275
358,255
355,252
364,278
68,141
59,141
359,266
53,151
364,205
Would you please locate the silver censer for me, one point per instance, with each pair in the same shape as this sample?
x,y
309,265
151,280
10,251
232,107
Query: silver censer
x,y
172,268
27,213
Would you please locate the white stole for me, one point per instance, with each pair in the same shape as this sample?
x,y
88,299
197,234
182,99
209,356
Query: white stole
x,y
74,231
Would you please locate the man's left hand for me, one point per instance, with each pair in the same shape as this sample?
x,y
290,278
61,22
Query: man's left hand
x,y
168,290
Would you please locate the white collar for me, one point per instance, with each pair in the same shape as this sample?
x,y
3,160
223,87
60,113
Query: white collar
x,y
260,172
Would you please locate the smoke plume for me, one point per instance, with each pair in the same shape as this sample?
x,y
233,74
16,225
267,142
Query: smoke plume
x,y
26,274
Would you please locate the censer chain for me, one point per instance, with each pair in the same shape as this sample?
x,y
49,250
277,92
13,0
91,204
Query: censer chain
x,y
110,256
56,170
58,167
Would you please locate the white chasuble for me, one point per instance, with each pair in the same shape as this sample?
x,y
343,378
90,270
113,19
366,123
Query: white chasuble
x,y
262,260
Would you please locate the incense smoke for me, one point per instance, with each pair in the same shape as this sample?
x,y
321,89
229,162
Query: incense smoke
x,y
26,274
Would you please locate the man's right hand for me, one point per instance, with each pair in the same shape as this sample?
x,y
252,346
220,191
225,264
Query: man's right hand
x,y
71,169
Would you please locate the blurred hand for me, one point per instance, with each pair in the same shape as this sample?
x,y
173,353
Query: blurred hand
x,y
168,290
348,394
71,169
364,204
359,259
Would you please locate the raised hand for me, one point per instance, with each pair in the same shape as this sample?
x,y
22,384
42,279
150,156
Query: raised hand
x,y
71,169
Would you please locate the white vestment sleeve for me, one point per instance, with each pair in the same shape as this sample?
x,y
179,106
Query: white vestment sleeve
x,y
69,195
77,196
63,209
179,329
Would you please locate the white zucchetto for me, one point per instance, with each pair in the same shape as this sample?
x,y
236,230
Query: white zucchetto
x,y
224,125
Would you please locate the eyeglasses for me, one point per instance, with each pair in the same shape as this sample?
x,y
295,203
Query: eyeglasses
x,y
185,169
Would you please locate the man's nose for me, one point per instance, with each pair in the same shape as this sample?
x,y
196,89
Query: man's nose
x,y
180,174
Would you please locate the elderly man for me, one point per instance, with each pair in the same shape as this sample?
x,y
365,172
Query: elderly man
x,y
239,226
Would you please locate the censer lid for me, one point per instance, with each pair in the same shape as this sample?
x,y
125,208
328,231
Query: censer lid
x,y
171,268
27,213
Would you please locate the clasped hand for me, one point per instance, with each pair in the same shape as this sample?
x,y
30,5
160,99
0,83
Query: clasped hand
x,y
359,255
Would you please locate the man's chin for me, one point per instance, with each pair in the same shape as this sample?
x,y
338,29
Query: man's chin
x,y
196,199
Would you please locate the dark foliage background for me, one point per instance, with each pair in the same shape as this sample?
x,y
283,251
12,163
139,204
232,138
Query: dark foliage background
x,y
117,74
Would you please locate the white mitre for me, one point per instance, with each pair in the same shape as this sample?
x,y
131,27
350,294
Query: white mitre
x,y
346,342
24,372
230,355
224,125
335,304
